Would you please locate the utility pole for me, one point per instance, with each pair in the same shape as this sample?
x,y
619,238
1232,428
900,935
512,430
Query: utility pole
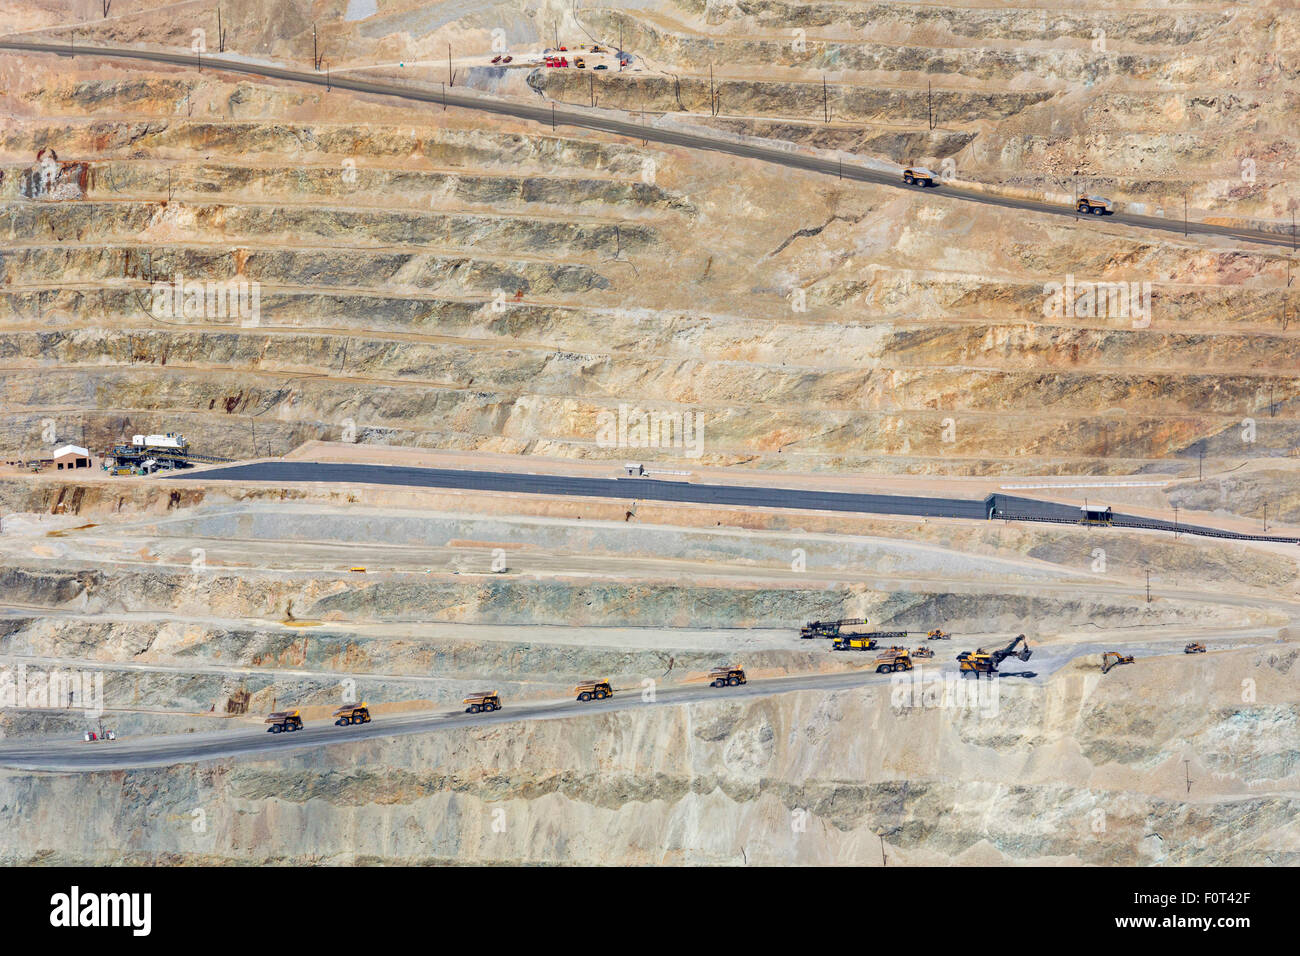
x,y
1266,515
315,57
929,104
1184,215
1200,463
826,105
1187,771
1148,587
1175,521
451,77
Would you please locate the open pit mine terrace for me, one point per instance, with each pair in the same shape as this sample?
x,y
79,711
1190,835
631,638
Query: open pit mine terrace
x,y
992,507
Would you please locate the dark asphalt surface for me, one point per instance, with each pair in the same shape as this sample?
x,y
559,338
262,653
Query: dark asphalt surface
x,y
545,115
656,489
640,489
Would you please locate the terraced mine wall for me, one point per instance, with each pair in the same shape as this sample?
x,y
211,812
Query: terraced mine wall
x,y
804,777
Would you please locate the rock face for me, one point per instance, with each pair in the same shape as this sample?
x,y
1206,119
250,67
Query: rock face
x,y
1080,771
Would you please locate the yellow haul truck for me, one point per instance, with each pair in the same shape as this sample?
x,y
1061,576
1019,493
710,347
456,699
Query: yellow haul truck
x,y
894,659
352,714
726,676
284,721
482,703
1094,205
593,690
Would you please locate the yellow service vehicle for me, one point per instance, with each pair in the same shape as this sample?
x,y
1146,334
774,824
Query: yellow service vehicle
x,y
854,642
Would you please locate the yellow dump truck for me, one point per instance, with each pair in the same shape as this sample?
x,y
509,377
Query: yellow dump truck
x,y
726,676
894,659
482,703
918,176
284,721
1094,205
352,714
593,690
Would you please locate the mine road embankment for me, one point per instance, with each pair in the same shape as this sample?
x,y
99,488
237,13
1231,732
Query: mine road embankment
x,y
81,757
602,122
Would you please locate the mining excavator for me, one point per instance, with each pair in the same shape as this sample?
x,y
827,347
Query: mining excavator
x,y
980,661
1114,659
